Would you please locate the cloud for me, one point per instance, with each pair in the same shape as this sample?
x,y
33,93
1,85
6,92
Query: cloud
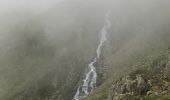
x,y
36,6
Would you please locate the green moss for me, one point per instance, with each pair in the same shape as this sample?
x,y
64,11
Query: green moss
x,y
100,95
156,98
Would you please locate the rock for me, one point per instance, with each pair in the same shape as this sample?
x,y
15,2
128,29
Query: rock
x,y
149,82
164,92
156,93
142,86
149,92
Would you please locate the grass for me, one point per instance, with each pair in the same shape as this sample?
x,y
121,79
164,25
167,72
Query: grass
x,y
156,98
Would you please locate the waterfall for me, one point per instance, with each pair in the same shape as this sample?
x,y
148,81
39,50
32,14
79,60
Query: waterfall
x,y
89,82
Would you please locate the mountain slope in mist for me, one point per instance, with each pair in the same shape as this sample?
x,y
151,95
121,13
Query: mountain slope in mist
x,y
45,50
139,30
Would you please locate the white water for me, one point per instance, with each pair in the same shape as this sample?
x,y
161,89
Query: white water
x,y
89,82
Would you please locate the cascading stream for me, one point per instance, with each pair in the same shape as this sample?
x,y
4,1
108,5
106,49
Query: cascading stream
x,y
89,82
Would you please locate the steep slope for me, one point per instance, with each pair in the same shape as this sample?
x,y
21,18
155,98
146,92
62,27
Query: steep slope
x,y
151,81
44,57
141,32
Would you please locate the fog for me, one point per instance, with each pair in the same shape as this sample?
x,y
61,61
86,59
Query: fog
x,y
45,45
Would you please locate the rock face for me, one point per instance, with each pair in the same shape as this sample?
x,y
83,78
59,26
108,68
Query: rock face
x,y
127,85
151,80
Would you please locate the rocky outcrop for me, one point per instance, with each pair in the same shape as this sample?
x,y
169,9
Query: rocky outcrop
x,y
129,86
151,80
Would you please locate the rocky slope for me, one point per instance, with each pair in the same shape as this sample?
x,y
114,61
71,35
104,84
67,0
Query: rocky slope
x,y
152,81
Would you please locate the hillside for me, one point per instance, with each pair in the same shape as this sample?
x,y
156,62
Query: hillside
x,y
46,55
150,81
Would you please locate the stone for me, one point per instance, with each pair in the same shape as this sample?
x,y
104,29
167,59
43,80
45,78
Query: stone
x,y
149,92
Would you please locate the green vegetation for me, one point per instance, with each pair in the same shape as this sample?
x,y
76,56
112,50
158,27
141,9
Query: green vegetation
x,y
156,98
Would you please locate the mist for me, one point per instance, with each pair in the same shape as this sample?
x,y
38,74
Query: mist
x,y
46,45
